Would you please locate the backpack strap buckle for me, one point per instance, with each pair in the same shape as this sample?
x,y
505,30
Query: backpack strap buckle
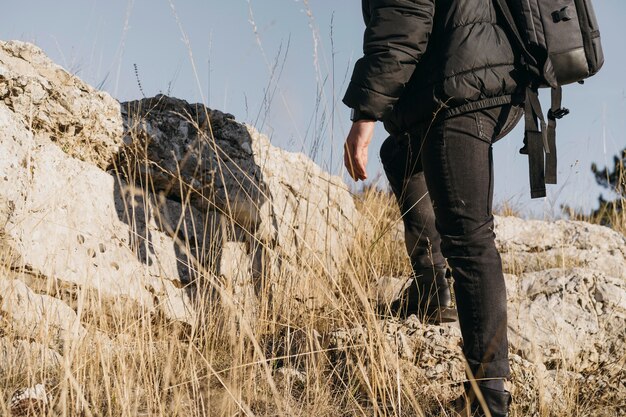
x,y
562,15
558,113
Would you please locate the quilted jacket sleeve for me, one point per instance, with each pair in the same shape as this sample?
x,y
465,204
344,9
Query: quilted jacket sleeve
x,y
396,36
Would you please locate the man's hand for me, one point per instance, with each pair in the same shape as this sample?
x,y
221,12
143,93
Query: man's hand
x,y
355,149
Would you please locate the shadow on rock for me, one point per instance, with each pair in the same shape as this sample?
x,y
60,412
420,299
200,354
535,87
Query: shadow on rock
x,y
188,172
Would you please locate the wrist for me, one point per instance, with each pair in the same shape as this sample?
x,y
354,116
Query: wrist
x,y
364,123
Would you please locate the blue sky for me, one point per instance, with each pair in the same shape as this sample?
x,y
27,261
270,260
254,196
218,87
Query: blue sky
x,y
282,65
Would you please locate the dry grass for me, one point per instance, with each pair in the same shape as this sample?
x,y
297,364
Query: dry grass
x,y
133,363
611,215
223,365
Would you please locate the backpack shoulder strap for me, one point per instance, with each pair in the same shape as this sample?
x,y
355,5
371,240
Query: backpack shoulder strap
x,y
514,31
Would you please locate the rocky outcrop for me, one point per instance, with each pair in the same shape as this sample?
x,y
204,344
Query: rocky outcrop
x,y
568,318
566,290
138,202
421,352
53,103
37,317
567,293
566,287
429,363
532,245
66,220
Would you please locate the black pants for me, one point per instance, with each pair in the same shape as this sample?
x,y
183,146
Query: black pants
x,y
443,178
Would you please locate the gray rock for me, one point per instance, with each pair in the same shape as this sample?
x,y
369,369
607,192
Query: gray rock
x,y
427,357
568,318
535,245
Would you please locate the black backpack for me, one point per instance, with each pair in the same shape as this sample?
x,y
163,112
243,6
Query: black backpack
x,y
559,44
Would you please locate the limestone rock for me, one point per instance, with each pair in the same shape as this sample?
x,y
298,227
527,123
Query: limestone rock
x,y
38,317
537,391
290,378
73,224
235,270
15,164
429,363
568,318
65,218
205,201
71,221
535,245
389,289
428,357
21,356
216,196
84,122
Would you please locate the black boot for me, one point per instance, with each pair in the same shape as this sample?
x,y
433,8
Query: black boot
x,y
470,404
428,297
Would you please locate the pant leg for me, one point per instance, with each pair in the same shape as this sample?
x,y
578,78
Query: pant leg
x,y
402,163
458,167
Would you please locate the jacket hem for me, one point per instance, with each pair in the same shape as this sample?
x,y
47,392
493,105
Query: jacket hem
x,y
476,105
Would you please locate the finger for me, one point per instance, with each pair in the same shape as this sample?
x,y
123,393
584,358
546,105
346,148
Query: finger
x,y
361,163
359,170
348,161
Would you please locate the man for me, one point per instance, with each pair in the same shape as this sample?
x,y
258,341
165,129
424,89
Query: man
x,y
441,75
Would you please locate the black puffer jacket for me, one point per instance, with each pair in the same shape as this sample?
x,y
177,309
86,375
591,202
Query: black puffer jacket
x,y
428,57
